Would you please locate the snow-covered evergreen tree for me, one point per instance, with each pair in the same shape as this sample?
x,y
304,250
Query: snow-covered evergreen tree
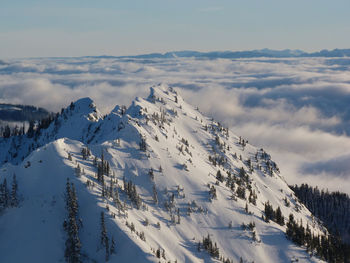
x,y
73,244
14,192
104,240
4,195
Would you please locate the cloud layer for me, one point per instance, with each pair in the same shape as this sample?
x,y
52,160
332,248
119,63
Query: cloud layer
x,y
297,109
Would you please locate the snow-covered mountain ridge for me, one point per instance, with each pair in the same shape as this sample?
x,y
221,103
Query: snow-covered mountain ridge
x,y
192,178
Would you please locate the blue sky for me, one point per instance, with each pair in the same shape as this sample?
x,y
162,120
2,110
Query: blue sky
x,y
76,28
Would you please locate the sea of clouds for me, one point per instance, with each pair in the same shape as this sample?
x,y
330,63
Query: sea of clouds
x,y
298,109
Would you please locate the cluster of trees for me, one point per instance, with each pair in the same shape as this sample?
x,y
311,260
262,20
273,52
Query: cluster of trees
x,y
221,129
208,245
274,215
242,141
212,248
71,225
130,190
9,198
240,192
217,159
111,191
230,181
264,160
212,193
158,119
243,175
35,127
220,146
328,247
103,168
85,151
160,253
333,208
242,181
184,145
23,113
250,227
170,205
6,131
132,228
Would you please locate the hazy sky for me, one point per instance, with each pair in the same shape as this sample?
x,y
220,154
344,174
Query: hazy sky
x,y
115,27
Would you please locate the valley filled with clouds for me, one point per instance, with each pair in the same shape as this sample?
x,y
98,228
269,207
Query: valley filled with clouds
x,y
295,108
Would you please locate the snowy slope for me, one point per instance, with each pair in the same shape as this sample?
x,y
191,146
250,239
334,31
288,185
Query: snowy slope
x,y
178,142
73,122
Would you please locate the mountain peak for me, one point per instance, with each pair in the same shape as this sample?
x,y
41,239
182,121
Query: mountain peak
x,y
86,107
162,92
84,102
159,89
169,168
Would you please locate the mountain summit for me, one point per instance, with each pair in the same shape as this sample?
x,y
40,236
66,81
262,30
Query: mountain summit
x,y
153,182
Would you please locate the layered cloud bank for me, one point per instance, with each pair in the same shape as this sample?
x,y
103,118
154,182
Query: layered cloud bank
x,y
296,108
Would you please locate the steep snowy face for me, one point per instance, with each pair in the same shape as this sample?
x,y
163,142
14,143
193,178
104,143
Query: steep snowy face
x,y
172,183
76,121
85,108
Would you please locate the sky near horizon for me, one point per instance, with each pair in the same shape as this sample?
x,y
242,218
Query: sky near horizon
x,y
76,28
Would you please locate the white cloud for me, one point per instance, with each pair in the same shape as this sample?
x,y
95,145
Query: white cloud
x,y
297,109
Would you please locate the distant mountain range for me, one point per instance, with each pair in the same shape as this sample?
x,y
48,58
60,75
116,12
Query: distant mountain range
x,y
287,53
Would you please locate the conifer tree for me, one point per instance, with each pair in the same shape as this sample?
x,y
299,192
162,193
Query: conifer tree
x,y
104,240
103,234
110,190
4,195
116,196
74,241
279,217
219,176
74,202
240,192
155,194
14,198
291,226
112,250
269,213
107,248
78,171
73,245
